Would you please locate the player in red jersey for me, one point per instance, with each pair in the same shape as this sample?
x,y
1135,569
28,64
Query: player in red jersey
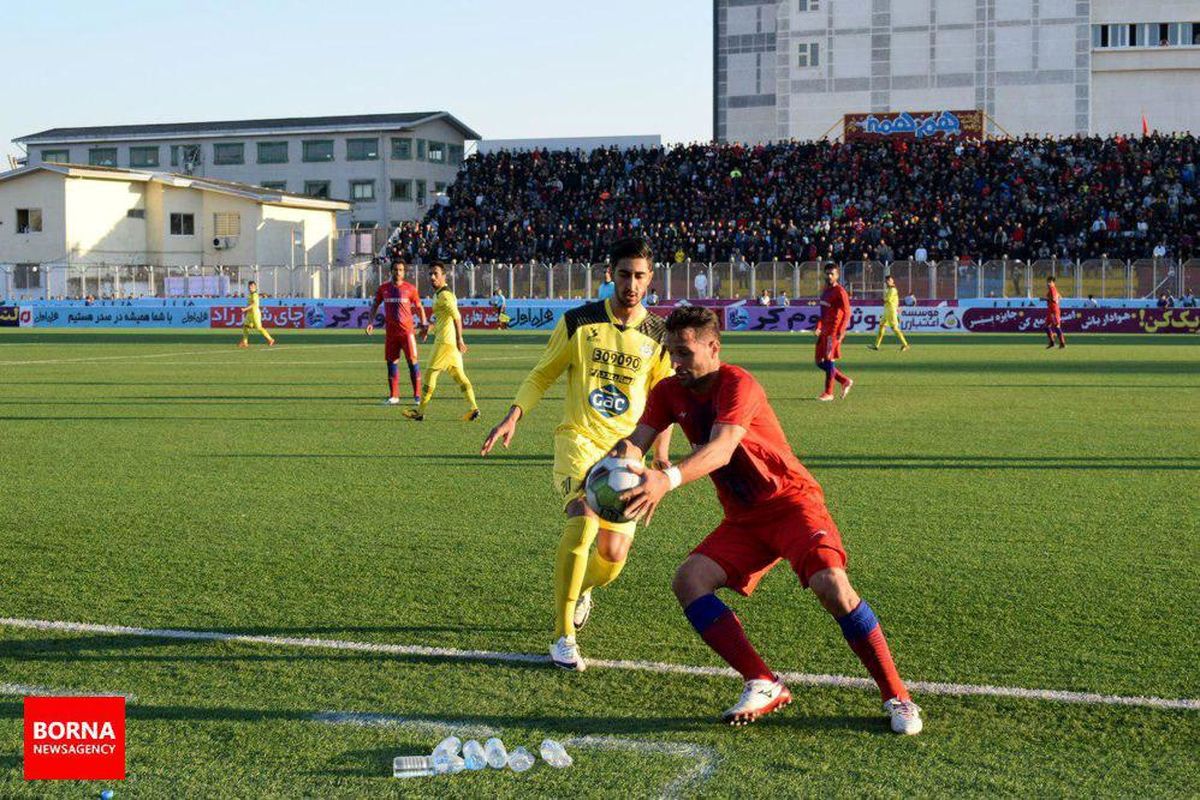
x,y
1053,314
399,298
835,317
774,509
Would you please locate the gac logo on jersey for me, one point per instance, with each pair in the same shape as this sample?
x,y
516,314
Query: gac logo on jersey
x,y
609,401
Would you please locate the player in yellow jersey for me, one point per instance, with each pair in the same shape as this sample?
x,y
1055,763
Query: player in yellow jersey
x,y
448,347
252,317
891,314
613,354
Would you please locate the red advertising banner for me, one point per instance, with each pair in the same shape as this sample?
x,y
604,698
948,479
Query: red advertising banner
x,y
913,125
74,738
272,316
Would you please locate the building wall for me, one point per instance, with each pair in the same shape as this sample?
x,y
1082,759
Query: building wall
x,y
166,248
99,228
1029,64
276,228
296,172
42,190
245,249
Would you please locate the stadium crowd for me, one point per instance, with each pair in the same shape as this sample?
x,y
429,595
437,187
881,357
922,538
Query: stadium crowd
x,y
1082,197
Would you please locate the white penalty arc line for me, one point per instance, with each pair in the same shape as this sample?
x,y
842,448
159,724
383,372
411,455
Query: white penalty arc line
x,y
449,653
706,758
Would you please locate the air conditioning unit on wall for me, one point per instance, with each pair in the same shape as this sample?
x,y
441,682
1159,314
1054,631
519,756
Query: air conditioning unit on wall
x,y
224,242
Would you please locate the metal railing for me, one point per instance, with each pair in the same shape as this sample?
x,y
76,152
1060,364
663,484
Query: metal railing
x,y
361,273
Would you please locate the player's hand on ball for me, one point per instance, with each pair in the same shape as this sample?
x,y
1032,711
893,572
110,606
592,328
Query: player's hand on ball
x,y
656,463
625,449
644,498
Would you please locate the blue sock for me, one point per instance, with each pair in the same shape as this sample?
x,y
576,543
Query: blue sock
x,y
704,611
393,370
858,623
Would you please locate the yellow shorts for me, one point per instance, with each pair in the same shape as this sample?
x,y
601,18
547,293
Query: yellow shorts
x,y
252,323
574,455
446,356
890,319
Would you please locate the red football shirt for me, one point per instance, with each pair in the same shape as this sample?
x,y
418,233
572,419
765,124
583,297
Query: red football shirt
x,y
398,304
1052,297
835,311
763,467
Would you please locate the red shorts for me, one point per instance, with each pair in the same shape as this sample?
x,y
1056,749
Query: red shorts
x,y
828,347
799,529
1054,319
399,343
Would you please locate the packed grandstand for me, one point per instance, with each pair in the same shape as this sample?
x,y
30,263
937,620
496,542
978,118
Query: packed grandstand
x,y
1030,198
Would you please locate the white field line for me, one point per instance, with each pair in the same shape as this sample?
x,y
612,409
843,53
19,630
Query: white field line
x,y
27,690
89,359
690,779
839,681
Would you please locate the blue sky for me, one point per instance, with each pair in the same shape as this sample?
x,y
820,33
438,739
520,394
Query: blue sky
x,y
507,69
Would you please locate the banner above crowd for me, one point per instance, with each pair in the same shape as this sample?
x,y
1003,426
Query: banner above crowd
x,y
913,125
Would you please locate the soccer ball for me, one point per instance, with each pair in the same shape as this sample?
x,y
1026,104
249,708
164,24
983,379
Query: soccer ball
x,y
607,479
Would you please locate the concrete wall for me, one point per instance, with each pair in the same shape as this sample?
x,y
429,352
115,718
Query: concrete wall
x,y
99,228
1162,82
42,190
278,223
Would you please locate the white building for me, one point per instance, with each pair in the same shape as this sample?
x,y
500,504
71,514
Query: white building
x,y
388,165
792,68
56,217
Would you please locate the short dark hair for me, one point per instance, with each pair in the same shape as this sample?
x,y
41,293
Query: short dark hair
x,y
629,248
1050,279
438,265
698,318
830,265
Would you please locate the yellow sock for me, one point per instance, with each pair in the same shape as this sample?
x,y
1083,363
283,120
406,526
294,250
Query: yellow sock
x,y
600,571
900,333
430,385
879,337
468,390
569,567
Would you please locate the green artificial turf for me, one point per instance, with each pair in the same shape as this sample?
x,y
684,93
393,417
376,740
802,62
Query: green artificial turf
x,y
1016,516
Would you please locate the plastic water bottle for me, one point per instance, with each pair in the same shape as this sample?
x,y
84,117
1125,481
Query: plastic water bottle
x,y
450,745
446,764
473,755
555,754
495,753
520,760
412,766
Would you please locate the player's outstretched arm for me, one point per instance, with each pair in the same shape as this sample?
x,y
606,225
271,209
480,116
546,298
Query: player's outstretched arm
x,y
662,449
371,318
503,432
644,499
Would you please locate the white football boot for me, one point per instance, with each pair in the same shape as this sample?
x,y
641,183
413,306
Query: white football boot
x,y
759,698
906,716
583,609
565,654
392,401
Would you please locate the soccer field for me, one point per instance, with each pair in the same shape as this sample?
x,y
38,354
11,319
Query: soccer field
x,y
1019,518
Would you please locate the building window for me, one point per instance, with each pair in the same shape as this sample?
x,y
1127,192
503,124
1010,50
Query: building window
x,y
136,213
454,154
437,152
272,152
421,193
229,153
420,149
29,220
809,5
439,188
363,224
102,156
183,224
56,156
362,149
402,149
277,186
808,55
318,189
143,156
361,191
318,150
27,276
402,191
227,223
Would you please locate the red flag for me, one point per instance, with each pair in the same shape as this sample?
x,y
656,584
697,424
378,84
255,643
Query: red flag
x,y
1145,125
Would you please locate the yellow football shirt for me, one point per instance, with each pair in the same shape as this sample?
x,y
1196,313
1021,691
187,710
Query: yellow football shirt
x,y
445,311
253,312
891,302
610,370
